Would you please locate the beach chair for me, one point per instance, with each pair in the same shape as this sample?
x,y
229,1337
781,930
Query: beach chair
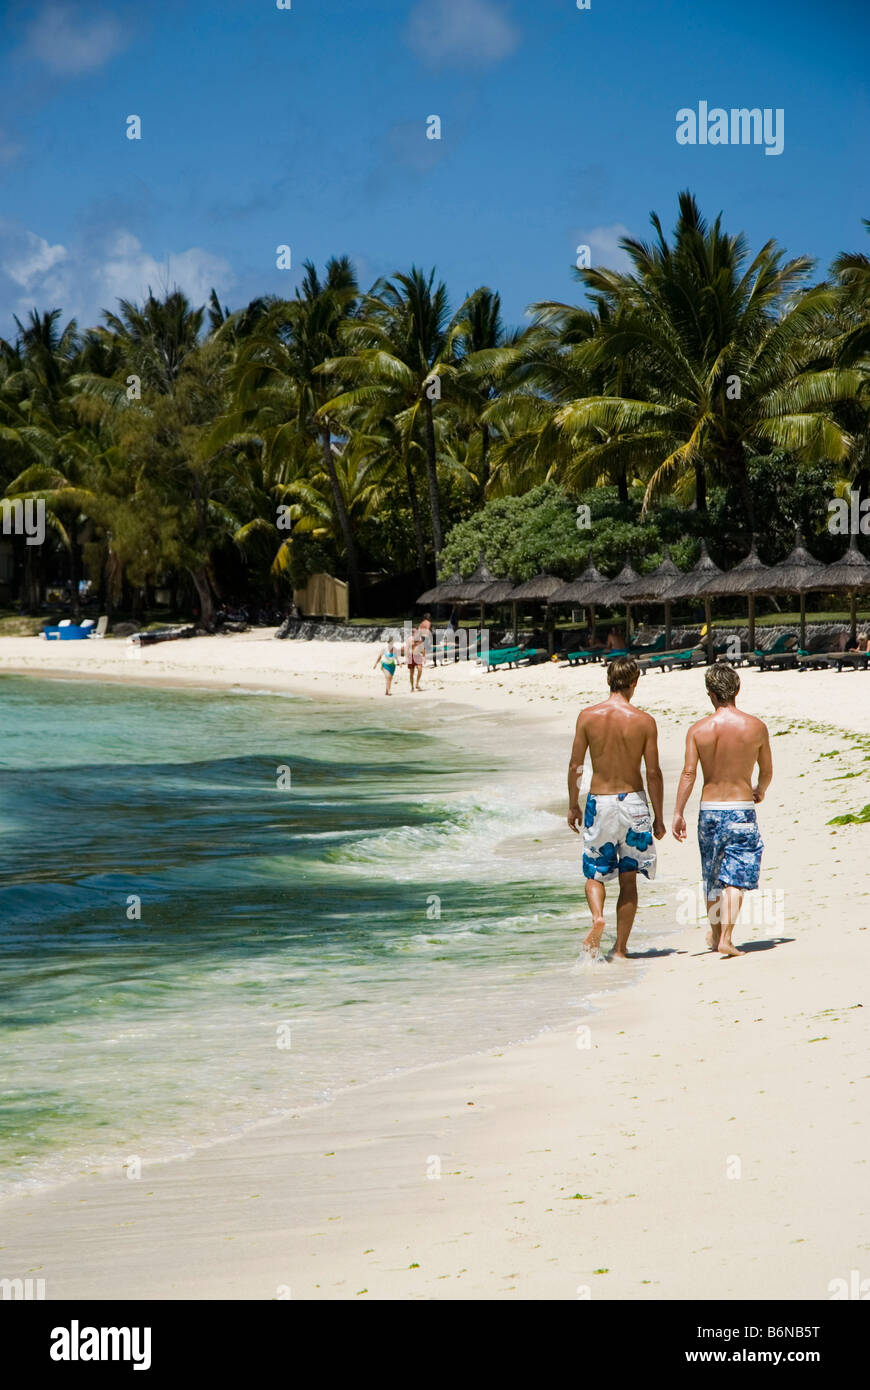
x,y
821,661
779,656
102,627
646,649
674,661
500,656
581,658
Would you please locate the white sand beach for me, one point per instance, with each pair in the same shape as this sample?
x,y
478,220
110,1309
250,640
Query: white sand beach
x,y
708,1136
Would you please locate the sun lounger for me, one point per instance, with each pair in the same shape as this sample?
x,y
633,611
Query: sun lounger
x,y
581,658
778,656
513,656
677,660
819,661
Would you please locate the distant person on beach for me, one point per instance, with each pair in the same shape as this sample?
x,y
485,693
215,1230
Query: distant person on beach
x,y
728,744
388,662
416,656
615,641
618,829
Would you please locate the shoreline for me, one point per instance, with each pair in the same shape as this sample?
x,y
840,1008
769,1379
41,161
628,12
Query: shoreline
x,y
558,1160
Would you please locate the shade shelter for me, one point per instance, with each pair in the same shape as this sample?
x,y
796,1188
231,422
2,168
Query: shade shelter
x,y
849,575
694,584
749,578
538,589
472,589
615,591
445,592
583,591
654,588
797,574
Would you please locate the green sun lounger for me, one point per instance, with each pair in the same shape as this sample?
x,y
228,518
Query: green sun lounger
x,y
670,661
581,658
512,656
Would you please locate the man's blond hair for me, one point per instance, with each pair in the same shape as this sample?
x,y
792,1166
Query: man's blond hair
x,y
722,682
622,673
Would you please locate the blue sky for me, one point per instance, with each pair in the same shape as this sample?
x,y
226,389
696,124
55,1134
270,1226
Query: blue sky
x,y
307,127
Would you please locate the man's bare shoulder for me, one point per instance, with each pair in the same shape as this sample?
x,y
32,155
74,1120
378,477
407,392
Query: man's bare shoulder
x,y
757,725
591,710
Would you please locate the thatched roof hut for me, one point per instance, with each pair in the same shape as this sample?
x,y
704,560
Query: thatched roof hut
x,y
470,589
797,573
615,591
445,592
693,583
499,591
654,586
535,590
747,577
850,574
583,590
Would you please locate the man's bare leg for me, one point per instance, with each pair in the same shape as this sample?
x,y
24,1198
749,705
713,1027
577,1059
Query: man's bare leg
x,y
595,899
626,907
732,901
714,916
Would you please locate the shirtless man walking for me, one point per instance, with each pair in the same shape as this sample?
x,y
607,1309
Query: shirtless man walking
x,y
617,828
728,744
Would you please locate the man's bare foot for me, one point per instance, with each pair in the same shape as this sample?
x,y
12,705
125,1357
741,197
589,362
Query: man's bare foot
x,y
727,948
619,955
593,940
712,938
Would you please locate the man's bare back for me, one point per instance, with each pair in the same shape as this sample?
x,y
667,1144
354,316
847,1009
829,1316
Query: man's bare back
x,y
729,743
616,735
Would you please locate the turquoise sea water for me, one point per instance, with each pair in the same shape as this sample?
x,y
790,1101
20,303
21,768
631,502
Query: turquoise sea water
x,y
289,942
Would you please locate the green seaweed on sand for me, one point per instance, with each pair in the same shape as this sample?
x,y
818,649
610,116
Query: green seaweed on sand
x,y
852,818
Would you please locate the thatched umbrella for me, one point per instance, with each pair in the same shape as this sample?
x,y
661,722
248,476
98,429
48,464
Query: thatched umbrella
x,y
797,574
615,592
655,587
748,577
499,591
850,575
583,591
535,590
472,589
693,584
444,592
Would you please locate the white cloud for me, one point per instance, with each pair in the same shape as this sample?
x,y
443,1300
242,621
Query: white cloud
x,y
84,280
33,260
603,242
68,40
460,32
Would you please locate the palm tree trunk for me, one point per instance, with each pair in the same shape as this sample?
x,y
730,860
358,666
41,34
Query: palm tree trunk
x,y
484,461
418,524
700,488
622,485
74,574
343,518
432,470
199,575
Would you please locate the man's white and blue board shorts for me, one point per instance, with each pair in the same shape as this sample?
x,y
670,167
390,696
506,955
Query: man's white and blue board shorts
x,y
618,836
730,844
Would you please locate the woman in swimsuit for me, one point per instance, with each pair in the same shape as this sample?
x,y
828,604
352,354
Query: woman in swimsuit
x,y
388,661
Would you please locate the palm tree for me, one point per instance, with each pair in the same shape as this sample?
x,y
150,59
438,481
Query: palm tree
x,y
156,338
724,352
402,346
279,372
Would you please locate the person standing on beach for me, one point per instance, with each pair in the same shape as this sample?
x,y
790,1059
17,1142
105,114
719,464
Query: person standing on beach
x,y
388,660
728,743
618,830
415,655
